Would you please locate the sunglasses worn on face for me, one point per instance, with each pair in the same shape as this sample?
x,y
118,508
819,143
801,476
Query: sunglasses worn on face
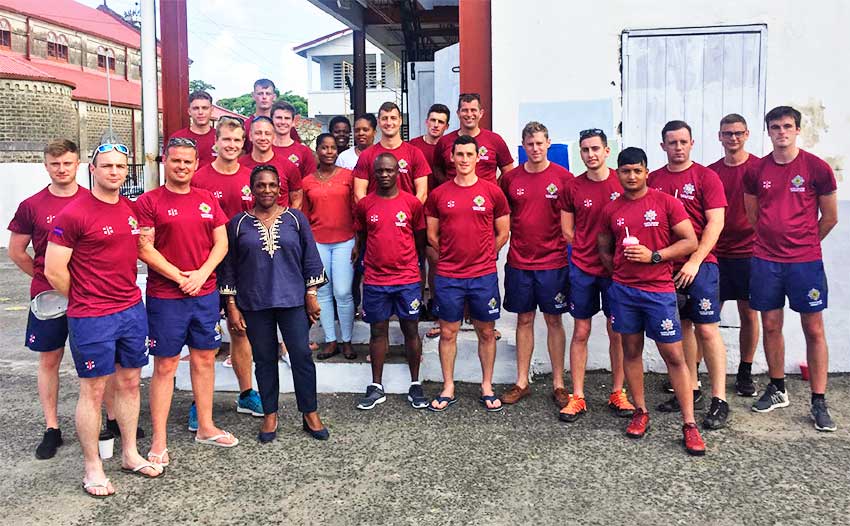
x,y
730,134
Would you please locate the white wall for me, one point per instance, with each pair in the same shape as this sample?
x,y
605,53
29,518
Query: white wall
x,y
568,52
21,180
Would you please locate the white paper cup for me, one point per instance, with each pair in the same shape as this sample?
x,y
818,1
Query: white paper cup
x,y
105,448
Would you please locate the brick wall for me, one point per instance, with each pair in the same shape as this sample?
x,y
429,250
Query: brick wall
x,y
31,115
97,122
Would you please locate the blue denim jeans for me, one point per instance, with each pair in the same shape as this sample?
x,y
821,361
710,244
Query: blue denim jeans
x,y
336,257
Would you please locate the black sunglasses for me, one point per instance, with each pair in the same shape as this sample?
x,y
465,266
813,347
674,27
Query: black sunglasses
x,y
592,132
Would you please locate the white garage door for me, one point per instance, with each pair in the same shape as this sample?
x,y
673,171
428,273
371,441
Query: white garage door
x,y
697,75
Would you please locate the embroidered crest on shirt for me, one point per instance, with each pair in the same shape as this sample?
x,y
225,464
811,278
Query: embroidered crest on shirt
x,y
797,183
621,221
50,219
205,211
172,212
588,203
401,218
246,193
482,153
520,191
450,204
293,159
551,191
688,191
650,218
765,185
134,225
479,204
402,166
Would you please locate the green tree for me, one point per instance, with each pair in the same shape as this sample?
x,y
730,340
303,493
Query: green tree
x,y
200,85
245,105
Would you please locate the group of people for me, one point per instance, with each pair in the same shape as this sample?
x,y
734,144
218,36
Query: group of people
x,y
253,225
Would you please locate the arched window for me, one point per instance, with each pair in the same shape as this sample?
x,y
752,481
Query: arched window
x,y
5,34
105,56
57,47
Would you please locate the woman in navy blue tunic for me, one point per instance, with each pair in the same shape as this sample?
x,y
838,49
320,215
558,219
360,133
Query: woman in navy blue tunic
x,y
269,277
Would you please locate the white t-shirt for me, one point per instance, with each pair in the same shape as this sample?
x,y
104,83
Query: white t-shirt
x,y
348,158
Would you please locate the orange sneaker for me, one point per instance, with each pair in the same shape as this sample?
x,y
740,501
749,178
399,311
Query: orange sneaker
x,y
574,409
619,403
639,424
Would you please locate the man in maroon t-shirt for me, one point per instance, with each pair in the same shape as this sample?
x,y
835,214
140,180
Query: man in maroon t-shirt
x,y
413,168
33,222
785,192
468,223
537,272
697,277
642,232
91,259
493,153
263,153
264,94
200,129
302,157
183,239
390,228
590,282
735,246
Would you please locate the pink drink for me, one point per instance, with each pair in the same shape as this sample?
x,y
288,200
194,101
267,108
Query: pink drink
x,y
630,241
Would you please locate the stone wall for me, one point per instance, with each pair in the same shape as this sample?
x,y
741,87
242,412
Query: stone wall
x,y
97,122
32,114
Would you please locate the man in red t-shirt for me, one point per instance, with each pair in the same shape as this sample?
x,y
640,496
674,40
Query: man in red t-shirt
x,y
436,124
537,272
33,222
785,192
183,239
284,146
262,133
697,277
264,94
590,281
468,223
734,248
413,168
493,153
642,233
200,129
390,228
91,259
230,183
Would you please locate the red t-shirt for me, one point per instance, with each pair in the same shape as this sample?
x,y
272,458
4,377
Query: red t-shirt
x,y
787,225
467,217
651,219
105,240
299,155
204,143
328,206
736,240
428,151
493,153
233,191
249,146
698,188
34,218
390,224
536,239
585,199
411,165
290,177
183,234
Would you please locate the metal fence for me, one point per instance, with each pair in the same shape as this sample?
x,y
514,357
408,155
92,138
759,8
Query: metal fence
x,y
134,186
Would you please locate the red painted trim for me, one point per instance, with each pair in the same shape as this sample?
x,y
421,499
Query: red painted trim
x,y
175,66
476,58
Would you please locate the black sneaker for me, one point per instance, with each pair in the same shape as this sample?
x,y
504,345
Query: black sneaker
x,y
772,398
51,441
745,386
416,397
820,415
718,414
112,425
672,405
374,396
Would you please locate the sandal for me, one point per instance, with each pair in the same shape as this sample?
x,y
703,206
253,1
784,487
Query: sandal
x,y
214,440
433,332
314,346
160,471
491,399
449,400
329,352
158,457
102,484
348,351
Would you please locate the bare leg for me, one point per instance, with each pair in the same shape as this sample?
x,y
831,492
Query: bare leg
x,y
578,354
748,338
714,352
48,385
161,392
127,397
817,352
487,356
556,342
678,370
691,352
412,346
378,347
109,398
202,370
774,342
615,353
448,352
92,392
241,358
524,346
633,366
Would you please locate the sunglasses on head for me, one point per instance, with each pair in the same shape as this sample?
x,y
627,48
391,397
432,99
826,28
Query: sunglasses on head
x,y
108,147
181,141
229,118
592,132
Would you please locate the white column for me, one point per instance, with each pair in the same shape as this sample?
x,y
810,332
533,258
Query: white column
x,y
309,72
378,83
150,109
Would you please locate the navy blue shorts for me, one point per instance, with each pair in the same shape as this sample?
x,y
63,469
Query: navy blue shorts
x,y
525,290
98,343
192,321
481,294
702,296
734,278
634,310
803,283
588,293
46,335
380,302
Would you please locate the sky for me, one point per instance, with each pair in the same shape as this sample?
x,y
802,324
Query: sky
x,y
232,43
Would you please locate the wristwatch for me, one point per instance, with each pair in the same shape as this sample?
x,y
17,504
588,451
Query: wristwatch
x,y
655,258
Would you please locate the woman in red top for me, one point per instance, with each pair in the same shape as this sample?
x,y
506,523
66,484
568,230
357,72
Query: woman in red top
x,y
328,201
